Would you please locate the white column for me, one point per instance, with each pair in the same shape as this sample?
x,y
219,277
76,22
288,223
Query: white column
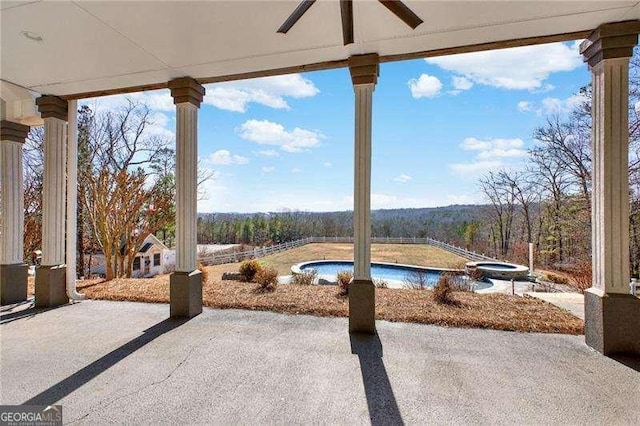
x,y
12,202
610,205
611,313
607,50
362,182
187,95
54,191
186,186
364,75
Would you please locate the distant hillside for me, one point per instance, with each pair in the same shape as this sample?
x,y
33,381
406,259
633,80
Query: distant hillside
x,y
444,223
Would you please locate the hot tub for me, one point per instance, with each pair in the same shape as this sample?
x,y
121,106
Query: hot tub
x,y
499,270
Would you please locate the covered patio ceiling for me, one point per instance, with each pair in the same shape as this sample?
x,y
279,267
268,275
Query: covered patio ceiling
x,y
78,49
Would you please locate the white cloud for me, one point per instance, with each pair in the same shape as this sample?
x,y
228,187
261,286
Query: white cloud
x,y
267,153
268,169
524,106
266,132
402,178
463,199
296,170
474,144
502,153
575,100
475,168
524,67
327,164
267,91
225,158
552,105
158,101
490,155
562,106
461,83
387,201
426,86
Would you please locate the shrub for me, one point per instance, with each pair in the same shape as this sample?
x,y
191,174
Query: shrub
x,y
475,274
442,291
267,279
416,280
380,283
344,280
556,279
581,277
205,273
459,282
249,269
305,278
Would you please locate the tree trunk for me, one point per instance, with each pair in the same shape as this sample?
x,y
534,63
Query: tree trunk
x,y
80,239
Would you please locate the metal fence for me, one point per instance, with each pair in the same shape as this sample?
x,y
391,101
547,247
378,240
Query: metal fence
x,y
213,259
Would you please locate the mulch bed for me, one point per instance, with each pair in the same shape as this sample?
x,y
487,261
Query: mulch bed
x,y
470,310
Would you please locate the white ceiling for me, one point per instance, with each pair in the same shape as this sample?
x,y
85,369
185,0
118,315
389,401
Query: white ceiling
x,y
94,45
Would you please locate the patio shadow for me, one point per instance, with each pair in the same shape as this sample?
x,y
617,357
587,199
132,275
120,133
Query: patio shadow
x,y
383,408
628,360
24,309
63,388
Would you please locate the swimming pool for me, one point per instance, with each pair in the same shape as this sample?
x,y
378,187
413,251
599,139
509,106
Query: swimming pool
x,y
394,274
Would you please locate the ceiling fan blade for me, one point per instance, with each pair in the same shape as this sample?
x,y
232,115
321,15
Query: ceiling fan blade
x,y
346,11
403,12
295,16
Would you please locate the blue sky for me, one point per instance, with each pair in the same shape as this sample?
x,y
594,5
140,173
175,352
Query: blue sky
x,y
439,124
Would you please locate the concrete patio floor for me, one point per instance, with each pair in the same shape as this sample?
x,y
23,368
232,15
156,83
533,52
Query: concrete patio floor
x,y
119,362
572,302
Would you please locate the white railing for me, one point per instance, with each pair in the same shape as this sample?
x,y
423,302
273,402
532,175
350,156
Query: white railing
x,y
213,259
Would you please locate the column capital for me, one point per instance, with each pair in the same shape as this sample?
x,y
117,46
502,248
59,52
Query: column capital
x,y
364,68
14,132
186,89
610,41
52,106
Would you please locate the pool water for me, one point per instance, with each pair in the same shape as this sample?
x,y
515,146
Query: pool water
x,y
500,266
384,271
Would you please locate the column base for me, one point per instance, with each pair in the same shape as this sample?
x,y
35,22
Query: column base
x,y
51,286
13,283
362,307
612,322
185,292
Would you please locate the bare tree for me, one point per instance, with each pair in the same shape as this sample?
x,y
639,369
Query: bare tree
x,y
33,160
502,197
125,200
569,143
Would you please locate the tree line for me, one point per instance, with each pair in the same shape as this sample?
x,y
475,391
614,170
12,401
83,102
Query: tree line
x,y
548,201
449,223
